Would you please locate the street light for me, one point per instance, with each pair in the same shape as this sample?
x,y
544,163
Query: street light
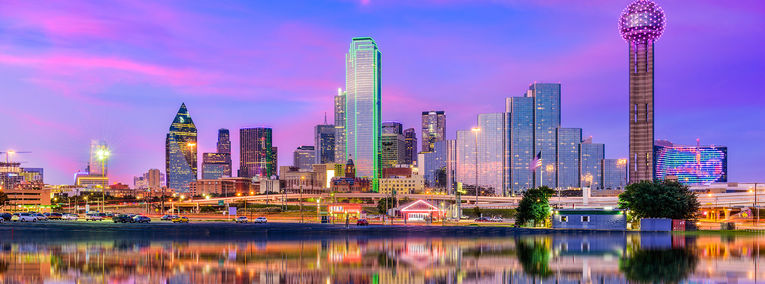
x,y
475,131
302,179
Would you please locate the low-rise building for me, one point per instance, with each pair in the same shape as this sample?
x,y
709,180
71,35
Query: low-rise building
x,y
349,182
227,186
598,219
402,185
29,198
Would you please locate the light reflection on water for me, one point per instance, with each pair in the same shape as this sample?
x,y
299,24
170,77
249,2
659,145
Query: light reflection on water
x,y
591,258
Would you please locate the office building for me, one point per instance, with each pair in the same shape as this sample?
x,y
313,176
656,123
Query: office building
x,y
216,165
99,156
614,173
181,151
433,129
466,158
363,88
392,127
153,179
520,112
324,139
641,25
491,153
410,144
304,157
392,145
691,165
546,121
414,183
256,154
32,174
274,162
224,147
434,168
591,158
340,156
567,169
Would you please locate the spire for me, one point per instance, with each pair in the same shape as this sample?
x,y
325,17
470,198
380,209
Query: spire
x,y
325,117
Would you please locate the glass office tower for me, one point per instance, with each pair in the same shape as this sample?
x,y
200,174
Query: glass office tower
x,y
491,153
256,154
362,106
410,139
614,173
520,142
324,140
465,159
340,156
591,157
224,147
433,129
216,165
546,121
181,151
304,157
568,157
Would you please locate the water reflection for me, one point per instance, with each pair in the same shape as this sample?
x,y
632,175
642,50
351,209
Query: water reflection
x,y
589,258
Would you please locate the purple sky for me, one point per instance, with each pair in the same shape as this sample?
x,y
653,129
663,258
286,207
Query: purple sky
x,y
72,71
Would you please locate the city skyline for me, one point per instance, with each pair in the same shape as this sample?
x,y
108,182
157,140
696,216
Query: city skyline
x,y
687,79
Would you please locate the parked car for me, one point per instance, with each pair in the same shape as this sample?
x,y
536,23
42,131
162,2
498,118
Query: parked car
x,y
241,219
40,216
93,217
261,220
141,219
180,219
70,216
6,216
123,218
23,217
55,216
482,219
496,219
168,217
362,222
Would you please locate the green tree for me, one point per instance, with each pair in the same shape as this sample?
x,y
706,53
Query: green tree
x,y
477,211
534,206
661,199
3,197
384,204
534,254
658,266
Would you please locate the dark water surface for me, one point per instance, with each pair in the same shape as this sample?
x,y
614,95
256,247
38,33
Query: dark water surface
x,y
291,253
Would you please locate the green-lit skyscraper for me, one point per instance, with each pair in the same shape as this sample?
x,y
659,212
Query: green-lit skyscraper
x,y
181,151
362,105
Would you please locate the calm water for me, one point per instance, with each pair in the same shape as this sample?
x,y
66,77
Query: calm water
x,y
614,258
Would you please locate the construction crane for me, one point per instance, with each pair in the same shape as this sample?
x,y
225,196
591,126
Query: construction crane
x,y
11,152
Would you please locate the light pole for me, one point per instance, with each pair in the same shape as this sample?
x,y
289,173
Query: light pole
x,y
302,180
475,131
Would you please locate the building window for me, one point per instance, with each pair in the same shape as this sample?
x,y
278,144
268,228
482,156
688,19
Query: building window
x,y
564,219
585,219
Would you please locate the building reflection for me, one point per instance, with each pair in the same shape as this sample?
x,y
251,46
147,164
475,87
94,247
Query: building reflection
x,y
589,258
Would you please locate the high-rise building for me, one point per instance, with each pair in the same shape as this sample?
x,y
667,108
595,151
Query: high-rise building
x,y
466,158
410,143
691,165
362,106
99,154
392,150
324,139
591,159
520,112
224,141
274,161
181,151
392,127
152,179
614,173
433,129
256,154
340,156
434,168
568,157
216,165
491,153
546,121
641,24
304,157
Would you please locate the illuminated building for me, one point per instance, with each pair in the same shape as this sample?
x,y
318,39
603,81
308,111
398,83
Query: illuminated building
x,y
216,165
520,131
362,106
433,129
410,144
434,166
340,146
274,161
10,175
546,121
152,179
295,179
466,160
88,180
392,145
641,24
614,173
413,183
32,174
303,157
227,186
97,165
324,141
349,182
491,153
567,169
691,165
181,151
591,157
256,154
224,147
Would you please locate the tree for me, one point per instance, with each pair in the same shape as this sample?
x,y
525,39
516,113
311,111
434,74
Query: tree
x,y
534,205
477,211
3,197
660,199
384,204
658,266
534,254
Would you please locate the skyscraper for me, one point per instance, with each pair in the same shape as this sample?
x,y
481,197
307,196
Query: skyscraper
x,y
568,157
392,127
591,157
641,24
274,161
340,156
304,157
690,165
324,140
181,151
491,153
433,129
256,153
410,143
99,154
362,106
521,142
614,173
216,165
546,121
392,150
466,157
224,149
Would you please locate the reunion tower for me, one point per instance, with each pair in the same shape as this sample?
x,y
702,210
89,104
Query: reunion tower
x,y
641,24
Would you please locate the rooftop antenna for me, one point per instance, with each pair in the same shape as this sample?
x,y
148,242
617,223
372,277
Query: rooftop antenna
x,y
325,117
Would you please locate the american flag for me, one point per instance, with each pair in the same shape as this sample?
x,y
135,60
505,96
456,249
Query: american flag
x,y
536,162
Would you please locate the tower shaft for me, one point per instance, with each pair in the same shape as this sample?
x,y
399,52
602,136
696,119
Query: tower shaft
x,y
641,114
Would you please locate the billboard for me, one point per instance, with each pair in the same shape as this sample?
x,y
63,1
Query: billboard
x,y
691,165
